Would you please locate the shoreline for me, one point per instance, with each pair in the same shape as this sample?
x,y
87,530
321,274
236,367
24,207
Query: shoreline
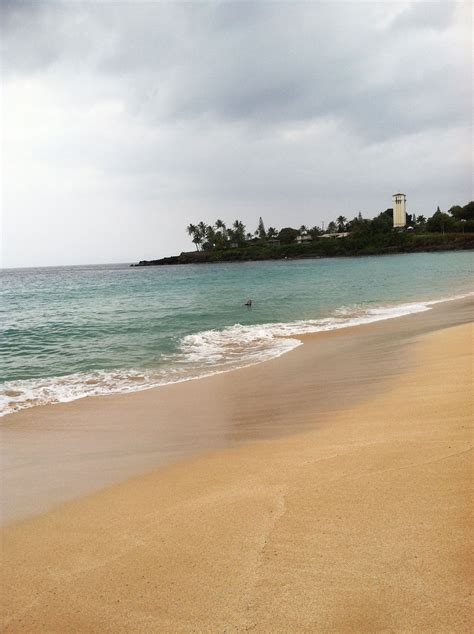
x,y
55,453
298,335
319,249
358,523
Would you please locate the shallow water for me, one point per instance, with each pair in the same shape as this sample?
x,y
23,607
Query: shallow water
x,y
70,332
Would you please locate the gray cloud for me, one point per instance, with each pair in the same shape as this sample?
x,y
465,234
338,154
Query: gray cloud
x,y
428,15
181,110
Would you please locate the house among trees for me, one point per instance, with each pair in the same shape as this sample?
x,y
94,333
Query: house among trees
x,y
336,234
303,237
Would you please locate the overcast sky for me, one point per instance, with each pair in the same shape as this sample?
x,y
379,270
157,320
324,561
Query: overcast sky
x,y
124,122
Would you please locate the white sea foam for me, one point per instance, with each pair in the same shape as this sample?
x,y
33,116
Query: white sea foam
x,y
200,355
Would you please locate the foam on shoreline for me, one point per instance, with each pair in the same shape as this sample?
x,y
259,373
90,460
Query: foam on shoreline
x,y
200,355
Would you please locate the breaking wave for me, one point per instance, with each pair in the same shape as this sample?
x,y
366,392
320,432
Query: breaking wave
x,y
199,355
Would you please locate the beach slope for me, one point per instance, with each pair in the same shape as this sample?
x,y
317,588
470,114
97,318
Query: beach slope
x,y
361,524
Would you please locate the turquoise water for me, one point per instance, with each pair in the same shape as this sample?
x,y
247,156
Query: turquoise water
x,y
75,331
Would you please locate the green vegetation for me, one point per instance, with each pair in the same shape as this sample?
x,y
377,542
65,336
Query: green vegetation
x,y
452,230
363,232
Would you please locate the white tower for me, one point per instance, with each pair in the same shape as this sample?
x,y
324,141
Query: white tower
x,y
399,210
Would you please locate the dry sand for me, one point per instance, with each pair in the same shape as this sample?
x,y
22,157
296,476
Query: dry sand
x,y
360,524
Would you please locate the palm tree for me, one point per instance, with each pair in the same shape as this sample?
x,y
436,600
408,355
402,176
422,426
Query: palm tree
x,y
272,232
210,235
303,229
220,234
239,232
341,222
202,228
194,232
332,227
191,229
220,225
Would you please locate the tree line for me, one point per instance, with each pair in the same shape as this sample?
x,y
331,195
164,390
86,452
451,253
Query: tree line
x,y
219,236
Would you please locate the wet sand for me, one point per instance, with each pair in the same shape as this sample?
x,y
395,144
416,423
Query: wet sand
x,y
57,453
357,523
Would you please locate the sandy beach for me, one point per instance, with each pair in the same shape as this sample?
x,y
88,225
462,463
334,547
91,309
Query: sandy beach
x,y
236,317
329,490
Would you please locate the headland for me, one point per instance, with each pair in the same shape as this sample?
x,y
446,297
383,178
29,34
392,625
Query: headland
x,y
391,231
346,246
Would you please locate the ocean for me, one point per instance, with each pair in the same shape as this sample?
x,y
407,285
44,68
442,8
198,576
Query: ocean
x,y
71,332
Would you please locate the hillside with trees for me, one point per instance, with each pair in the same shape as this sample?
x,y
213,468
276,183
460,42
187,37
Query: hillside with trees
x,y
451,230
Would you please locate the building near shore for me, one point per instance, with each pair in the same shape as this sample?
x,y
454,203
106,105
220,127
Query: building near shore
x,y
340,234
303,237
399,210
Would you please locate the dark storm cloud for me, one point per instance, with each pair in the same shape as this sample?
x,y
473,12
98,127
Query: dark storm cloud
x,y
261,63
11,10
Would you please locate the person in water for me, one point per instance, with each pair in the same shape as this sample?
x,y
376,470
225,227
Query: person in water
x,y
248,303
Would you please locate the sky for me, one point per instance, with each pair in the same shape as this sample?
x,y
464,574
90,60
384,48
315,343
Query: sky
x,y
123,122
